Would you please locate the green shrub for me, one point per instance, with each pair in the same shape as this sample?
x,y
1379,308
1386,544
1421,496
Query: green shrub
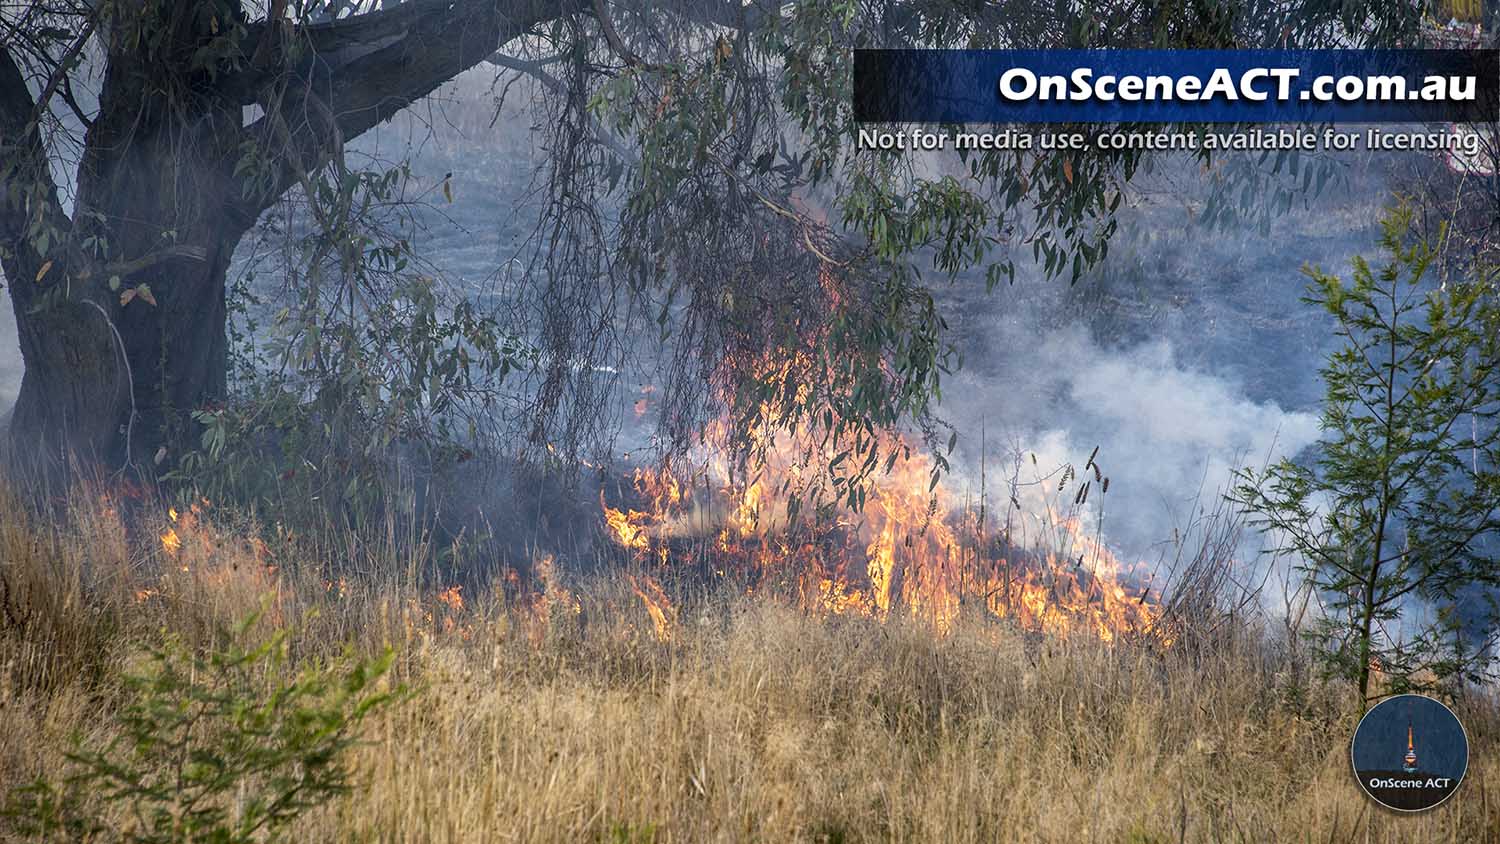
x,y
217,747
1400,497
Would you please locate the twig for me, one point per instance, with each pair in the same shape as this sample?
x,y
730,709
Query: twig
x,y
60,72
616,43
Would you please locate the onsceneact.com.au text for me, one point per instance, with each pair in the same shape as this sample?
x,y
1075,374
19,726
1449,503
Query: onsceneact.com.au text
x,y
1256,84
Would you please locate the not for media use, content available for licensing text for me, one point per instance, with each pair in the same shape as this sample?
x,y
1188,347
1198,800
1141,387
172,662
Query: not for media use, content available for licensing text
x,y
1457,140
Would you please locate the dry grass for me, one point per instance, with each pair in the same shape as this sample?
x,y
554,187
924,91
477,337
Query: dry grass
x,y
559,716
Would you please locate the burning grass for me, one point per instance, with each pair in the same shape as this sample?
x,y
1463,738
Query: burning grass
x,y
622,709
914,548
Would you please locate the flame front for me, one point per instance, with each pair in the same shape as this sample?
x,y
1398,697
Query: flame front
x,y
911,549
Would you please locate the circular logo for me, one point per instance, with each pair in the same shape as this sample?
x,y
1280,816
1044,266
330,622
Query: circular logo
x,y
1410,753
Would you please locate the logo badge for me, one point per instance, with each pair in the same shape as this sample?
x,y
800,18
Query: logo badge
x,y
1410,753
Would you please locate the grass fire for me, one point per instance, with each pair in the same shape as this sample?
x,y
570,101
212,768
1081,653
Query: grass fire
x,y
558,708
663,423
911,551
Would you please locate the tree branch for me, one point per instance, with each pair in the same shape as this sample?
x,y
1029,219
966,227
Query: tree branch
x,y
66,92
374,65
364,69
24,174
537,71
612,37
59,73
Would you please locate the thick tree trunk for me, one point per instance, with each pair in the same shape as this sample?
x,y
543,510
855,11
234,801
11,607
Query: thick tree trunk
x,y
120,304
120,308
112,384
72,390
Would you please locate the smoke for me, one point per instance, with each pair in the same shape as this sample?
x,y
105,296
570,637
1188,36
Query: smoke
x,y
1166,434
1188,355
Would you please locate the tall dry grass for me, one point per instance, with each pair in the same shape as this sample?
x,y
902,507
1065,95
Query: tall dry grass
x,y
556,713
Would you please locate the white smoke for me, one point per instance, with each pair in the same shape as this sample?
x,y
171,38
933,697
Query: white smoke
x,y
1166,434
1187,356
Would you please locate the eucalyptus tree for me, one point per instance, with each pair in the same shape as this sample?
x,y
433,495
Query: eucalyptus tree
x,y
701,180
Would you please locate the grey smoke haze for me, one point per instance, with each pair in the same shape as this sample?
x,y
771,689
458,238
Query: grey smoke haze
x,y
1165,433
1186,355
1188,352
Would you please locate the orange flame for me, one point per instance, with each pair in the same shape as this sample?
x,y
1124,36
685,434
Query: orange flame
x,y
452,597
663,614
911,549
171,541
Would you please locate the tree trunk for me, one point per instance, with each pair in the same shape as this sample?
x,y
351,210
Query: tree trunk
x,y
72,389
112,384
120,305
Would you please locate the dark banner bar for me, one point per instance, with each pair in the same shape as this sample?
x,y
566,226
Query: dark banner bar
x,y
1172,86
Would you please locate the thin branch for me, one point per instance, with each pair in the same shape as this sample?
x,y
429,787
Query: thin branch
x,y
129,378
146,262
60,71
66,92
536,71
616,43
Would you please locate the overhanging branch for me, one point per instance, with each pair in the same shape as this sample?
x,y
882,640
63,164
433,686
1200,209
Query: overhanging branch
x,y
537,71
364,69
372,66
